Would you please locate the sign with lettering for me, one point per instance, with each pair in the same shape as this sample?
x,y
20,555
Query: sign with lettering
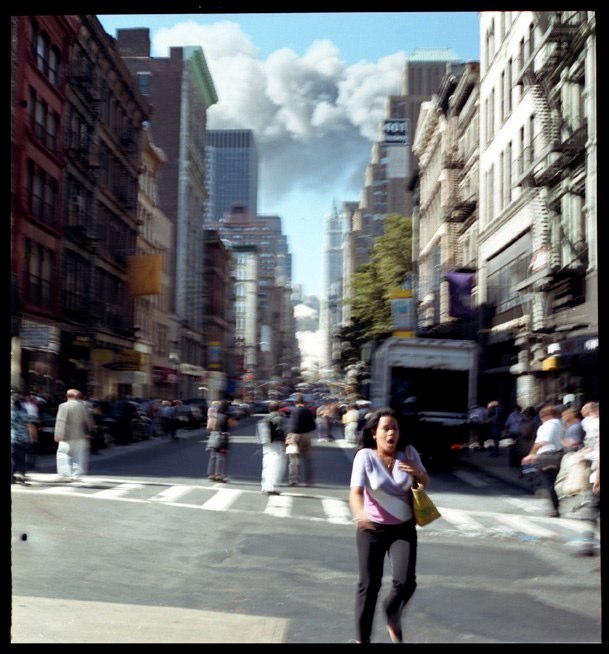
x,y
396,131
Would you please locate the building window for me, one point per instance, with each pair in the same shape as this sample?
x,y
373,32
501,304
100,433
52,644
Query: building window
x,y
44,122
76,287
490,194
42,194
144,81
508,90
39,263
508,174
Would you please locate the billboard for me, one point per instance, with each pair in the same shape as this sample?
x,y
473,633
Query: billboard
x,y
396,131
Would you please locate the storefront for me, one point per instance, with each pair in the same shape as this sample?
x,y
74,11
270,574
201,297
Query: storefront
x,y
571,367
164,383
35,359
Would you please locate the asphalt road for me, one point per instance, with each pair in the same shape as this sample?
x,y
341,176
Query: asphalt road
x,y
149,551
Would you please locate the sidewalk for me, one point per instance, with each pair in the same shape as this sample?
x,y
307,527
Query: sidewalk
x,y
47,462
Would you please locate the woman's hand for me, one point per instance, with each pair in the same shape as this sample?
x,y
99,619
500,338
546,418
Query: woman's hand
x,y
364,524
417,473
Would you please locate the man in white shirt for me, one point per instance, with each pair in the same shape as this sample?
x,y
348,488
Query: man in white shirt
x,y
547,451
73,427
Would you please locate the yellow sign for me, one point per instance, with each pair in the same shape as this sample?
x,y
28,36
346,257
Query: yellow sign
x,y
551,363
402,312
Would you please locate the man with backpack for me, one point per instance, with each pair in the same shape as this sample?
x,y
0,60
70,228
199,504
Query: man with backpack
x,y
300,428
271,436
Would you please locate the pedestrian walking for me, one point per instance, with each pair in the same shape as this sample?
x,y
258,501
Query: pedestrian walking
x,y
384,471
271,435
494,426
301,426
574,432
476,420
73,428
577,484
547,451
167,414
218,443
351,421
23,436
524,437
591,424
31,403
322,421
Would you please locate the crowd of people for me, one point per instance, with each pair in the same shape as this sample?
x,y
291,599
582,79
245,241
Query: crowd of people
x,y
559,442
117,421
556,446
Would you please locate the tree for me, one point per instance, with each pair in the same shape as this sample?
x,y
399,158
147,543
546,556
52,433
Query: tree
x,y
390,264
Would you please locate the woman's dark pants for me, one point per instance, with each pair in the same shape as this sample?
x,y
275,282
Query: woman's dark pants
x,y
400,543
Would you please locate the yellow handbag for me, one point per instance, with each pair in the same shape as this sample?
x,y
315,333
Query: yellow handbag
x,y
424,509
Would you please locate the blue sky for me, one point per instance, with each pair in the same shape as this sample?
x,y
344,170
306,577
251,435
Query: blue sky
x,y
312,87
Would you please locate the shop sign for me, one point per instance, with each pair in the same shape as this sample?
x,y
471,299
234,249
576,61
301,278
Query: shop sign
x,y
128,360
36,336
161,375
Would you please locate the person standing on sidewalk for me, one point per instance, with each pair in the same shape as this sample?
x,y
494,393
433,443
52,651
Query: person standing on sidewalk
x,y
300,428
351,422
218,443
272,438
22,438
73,428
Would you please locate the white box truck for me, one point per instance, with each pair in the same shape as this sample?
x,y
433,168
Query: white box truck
x,y
432,384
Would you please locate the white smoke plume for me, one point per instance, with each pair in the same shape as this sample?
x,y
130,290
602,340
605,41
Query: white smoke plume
x,y
314,118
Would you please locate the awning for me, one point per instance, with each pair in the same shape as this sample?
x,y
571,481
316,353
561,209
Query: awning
x,y
190,369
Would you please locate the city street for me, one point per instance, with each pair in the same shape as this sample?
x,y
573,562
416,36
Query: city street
x,y
147,550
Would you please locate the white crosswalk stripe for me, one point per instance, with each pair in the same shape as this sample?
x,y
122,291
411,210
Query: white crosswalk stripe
x,y
171,494
222,500
337,511
305,506
525,526
117,491
279,506
462,520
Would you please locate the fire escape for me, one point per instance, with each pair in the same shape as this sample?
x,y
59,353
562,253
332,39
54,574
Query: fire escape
x,y
553,165
80,225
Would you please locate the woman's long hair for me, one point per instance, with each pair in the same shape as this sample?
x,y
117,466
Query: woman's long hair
x,y
367,437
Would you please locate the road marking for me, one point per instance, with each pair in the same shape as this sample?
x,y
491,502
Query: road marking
x,y
470,479
462,520
525,526
279,506
221,500
525,505
337,511
118,491
61,490
171,494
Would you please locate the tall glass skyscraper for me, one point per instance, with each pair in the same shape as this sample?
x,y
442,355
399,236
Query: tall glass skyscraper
x,y
231,172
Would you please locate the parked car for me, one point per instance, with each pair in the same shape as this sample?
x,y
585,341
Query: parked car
x,y
239,410
201,403
260,406
191,415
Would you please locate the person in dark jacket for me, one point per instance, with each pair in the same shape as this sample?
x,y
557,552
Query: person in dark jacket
x,y
271,435
300,427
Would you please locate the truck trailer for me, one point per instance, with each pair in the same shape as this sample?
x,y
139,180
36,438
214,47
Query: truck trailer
x,y
431,384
